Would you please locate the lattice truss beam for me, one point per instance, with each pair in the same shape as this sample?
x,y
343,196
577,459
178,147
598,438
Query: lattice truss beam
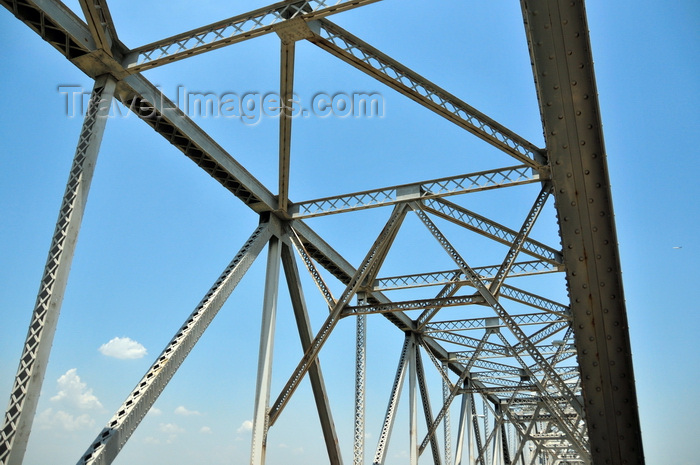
x,y
523,371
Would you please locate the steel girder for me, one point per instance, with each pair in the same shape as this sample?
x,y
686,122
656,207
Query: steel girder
x,y
563,67
530,399
34,359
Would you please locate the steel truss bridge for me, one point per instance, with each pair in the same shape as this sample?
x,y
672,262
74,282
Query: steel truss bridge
x,y
535,381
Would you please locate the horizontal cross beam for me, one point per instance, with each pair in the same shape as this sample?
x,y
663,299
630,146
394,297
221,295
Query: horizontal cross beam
x,y
443,187
436,278
232,30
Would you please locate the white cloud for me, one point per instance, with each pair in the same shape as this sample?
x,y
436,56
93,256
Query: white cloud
x,y
205,430
181,410
123,348
74,393
245,426
171,428
48,419
155,411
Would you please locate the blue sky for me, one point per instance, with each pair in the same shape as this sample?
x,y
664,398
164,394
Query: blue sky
x,y
158,231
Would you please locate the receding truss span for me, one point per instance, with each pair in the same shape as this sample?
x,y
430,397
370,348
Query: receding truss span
x,y
525,378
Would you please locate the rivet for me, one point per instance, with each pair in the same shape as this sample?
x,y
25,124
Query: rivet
x,y
578,113
556,87
565,146
573,83
560,116
602,284
583,142
590,200
573,204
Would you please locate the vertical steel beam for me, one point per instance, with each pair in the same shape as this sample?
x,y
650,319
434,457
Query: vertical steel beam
x,y
446,422
467,423
383,443
412,402
473,440
496,438
318,386
464,421
427,409
477,434
504,441
285,137
37,347
267,337
560,49
360,373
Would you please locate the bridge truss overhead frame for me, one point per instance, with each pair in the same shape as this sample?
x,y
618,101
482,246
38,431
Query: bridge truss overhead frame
x,y
532,380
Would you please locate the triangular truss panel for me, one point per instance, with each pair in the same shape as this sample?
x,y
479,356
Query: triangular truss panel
x,y
465,305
